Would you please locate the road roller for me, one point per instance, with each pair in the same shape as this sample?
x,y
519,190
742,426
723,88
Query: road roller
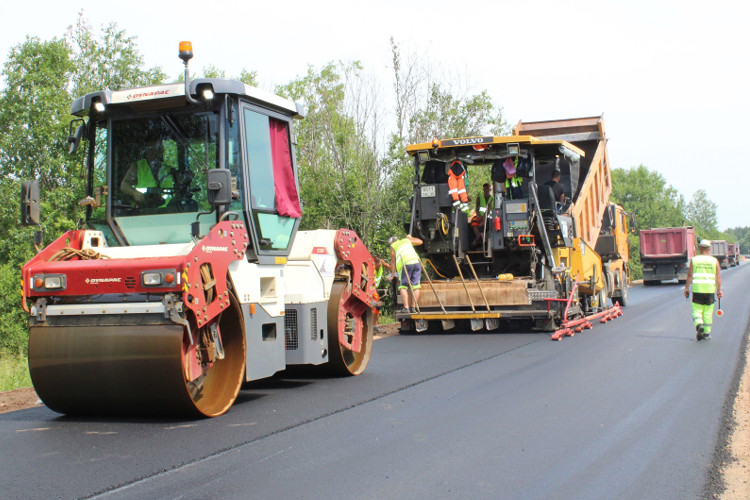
x,y
189,275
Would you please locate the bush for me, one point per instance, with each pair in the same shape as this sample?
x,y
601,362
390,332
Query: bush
x,y
14,322
14,372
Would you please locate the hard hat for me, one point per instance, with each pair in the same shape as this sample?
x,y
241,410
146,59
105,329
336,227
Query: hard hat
x,y
704,244
392,239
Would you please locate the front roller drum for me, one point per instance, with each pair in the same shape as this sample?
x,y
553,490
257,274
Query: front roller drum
x,y
138,369
352,320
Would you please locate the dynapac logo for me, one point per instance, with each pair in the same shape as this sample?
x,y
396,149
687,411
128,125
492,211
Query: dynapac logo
x,y
209,249
142,95
96,281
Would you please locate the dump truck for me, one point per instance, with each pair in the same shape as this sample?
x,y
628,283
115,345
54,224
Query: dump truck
x,y
189,276
733,254
720,250
538,262
666,253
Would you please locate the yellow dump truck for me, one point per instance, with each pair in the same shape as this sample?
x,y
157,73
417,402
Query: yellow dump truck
x,y
538,252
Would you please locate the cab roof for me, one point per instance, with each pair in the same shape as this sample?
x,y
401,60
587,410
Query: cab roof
x,y
484,145
134,96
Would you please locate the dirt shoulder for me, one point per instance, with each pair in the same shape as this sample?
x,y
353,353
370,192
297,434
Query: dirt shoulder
x,y
736,475
18,399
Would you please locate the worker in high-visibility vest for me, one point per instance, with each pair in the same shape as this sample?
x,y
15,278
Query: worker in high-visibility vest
x,y
405,261
457,186
379,275
484,200
513,189
485,204
146,174
704,276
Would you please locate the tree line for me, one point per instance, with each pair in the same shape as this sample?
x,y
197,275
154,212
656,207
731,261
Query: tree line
x,y
654,203
353,168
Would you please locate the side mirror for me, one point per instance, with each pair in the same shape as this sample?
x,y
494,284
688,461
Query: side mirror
x,y
74,139
30,203
219,181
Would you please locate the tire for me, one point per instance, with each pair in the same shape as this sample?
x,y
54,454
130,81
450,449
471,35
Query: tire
x,y
622,299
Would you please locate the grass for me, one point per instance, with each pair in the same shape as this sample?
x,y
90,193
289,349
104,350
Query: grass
x,y
14,372
385,319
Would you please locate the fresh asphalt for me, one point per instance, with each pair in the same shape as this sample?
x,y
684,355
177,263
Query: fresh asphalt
x,y
635,408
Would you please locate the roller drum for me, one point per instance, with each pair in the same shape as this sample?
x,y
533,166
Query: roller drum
x,y
131,366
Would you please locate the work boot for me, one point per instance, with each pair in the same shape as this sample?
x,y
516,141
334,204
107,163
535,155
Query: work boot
x,y
413,310
699,332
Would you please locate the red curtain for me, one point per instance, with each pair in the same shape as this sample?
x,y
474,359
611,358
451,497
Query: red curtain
x,y
287,198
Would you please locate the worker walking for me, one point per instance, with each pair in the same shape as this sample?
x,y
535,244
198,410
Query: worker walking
x,y
704,275
405,260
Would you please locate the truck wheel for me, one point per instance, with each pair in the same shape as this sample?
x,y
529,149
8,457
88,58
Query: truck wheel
x,y
353,316
622,299
602,299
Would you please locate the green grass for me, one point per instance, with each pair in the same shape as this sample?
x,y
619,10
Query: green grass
x,y
14,372
386,318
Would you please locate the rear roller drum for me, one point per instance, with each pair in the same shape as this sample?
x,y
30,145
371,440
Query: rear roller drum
x,y
355,318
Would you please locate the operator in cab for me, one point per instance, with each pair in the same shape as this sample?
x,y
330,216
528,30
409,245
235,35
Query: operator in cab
x,y
148,181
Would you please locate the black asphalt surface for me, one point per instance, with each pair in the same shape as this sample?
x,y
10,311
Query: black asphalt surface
x,y
632,409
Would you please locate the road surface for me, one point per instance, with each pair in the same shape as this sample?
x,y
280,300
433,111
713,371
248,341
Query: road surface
x,y
635,408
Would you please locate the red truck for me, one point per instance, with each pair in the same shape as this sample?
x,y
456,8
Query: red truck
x,y
666,253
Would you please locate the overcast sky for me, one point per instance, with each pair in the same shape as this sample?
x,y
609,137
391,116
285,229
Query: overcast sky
x,y
670,77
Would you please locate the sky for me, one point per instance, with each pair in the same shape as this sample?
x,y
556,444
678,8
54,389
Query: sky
x,y
671,78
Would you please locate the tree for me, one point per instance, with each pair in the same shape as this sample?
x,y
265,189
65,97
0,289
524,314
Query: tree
x,y
427,107
646,195
341,177
701,212
108,61
34,124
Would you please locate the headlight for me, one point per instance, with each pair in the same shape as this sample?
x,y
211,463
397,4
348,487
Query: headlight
x,y
152,279
42,282
53,282
161,278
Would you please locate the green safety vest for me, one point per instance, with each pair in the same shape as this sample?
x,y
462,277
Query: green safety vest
x,y
704,274
483,203
513,181
146,176
405,254
378,276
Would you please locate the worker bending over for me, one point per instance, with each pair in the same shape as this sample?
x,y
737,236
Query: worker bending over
x,y
405,260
